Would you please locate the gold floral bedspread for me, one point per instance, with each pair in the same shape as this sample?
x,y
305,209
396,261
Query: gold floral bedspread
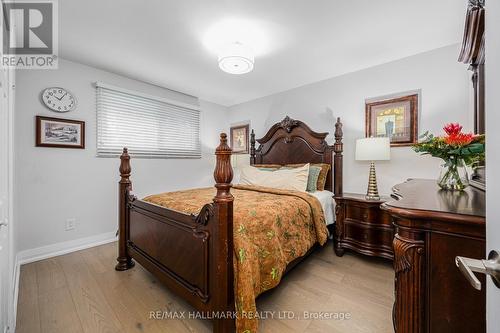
x,y
271,228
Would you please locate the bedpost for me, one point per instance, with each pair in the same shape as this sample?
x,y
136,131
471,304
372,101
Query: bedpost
x,y
223,240
125,186
338,148
223,173
252,148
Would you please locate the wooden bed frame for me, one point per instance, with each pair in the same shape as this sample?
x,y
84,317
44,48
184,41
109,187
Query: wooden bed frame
x,y
193,255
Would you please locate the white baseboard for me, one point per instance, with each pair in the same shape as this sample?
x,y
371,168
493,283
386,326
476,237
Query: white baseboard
x,y
54,250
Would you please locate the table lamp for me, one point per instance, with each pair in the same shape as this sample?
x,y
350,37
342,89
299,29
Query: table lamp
x,y
373,149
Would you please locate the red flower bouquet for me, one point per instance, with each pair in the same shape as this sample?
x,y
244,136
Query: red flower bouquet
x,y
457,149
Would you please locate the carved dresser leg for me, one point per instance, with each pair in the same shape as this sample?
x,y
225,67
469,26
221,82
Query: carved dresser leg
x,y
408,311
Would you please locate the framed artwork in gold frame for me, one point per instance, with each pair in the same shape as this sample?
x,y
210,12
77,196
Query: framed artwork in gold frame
x,y
239,139
396,118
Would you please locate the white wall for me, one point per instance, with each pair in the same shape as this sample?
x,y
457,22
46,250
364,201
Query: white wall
x,y
52,184
445,89
492,67
8,246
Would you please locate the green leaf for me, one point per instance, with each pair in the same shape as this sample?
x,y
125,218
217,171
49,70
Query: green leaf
x,y
242,255
472,149
242,229
270,234
274,273
278,221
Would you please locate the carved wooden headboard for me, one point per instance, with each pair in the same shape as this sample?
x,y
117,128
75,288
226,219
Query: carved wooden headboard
x,y
292,141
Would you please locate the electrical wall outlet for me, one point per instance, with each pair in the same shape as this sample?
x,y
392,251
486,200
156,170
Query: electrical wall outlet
x,y
70,224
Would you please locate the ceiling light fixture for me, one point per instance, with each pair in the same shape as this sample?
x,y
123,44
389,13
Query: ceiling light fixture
x,y
236,58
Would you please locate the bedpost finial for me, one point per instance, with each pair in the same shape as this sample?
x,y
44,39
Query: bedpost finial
x,y
338,131
338,146
125,168
223,139
223,173
223,147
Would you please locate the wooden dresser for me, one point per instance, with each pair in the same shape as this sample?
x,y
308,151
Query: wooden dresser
x,y
361,226
432,227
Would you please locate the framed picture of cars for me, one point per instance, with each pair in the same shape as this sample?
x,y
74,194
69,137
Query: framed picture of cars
x,y
60,133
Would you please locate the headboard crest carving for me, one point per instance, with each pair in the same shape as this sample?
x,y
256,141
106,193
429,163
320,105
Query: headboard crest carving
x,y
288,124
291,141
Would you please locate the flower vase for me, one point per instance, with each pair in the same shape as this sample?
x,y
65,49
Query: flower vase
x,y
453,175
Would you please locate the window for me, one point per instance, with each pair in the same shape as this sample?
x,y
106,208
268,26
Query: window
x,y
148,126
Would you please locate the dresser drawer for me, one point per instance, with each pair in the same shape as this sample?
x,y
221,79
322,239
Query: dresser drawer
x,y
368,234
367,214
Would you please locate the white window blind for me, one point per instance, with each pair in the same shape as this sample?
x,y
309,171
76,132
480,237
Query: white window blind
x,y
146,125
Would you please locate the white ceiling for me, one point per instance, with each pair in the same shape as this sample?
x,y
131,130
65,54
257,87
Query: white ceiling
x,y
304,41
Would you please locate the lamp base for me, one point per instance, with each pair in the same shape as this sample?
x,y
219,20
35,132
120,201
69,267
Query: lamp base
x,y
372,192
374,198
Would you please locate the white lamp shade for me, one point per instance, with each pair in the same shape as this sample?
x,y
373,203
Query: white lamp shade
x,y
373,149
236,58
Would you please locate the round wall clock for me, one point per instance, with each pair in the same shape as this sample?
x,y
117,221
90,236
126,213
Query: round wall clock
x,y
58,99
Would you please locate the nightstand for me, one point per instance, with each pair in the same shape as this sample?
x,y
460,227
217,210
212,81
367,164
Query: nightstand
x,y
362,226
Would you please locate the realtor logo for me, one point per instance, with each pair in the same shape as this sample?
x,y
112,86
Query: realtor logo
x,y
29,34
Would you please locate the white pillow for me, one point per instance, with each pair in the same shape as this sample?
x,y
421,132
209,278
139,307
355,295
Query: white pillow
x,y
285,179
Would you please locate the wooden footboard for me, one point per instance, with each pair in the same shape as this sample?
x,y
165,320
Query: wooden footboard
x,y
192,255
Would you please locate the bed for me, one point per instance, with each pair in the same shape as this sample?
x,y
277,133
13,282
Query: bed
x,y
202,243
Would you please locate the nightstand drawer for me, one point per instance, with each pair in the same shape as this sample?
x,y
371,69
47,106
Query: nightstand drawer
x,y
362,226
367,214
368,234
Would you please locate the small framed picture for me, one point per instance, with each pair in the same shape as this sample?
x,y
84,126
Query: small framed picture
x,y
239,139
395,118
60,133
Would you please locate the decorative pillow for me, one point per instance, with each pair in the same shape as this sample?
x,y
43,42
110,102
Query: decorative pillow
x,y
312,180
286,179
267,166
322,175
320,186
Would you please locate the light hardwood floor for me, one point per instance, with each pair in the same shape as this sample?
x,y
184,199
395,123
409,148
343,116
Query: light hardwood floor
x,y
81,292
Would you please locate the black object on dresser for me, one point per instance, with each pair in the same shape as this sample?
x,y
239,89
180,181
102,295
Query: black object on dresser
x,y
362,226
432,227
